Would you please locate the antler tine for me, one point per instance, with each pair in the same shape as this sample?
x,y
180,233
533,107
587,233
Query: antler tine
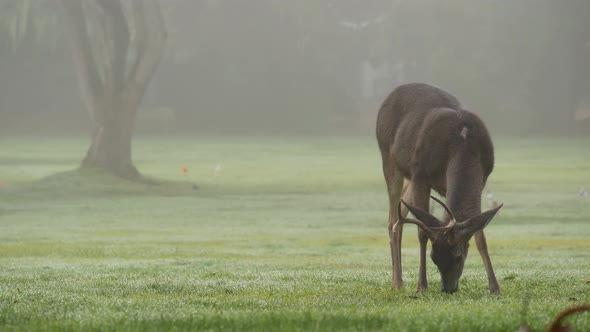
x,y
399,216
404,220
444,206
452,222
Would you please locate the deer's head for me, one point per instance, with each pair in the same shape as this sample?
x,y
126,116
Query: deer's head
x,y
450,241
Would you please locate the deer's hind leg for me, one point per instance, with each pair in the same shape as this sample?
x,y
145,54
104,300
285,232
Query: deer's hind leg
x,y
395,187
482,247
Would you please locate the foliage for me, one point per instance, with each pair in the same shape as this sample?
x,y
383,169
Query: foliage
x,y
291,62
31,24
282,233
296,64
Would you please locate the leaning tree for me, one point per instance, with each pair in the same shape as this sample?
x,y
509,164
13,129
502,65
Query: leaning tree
x,y
117,46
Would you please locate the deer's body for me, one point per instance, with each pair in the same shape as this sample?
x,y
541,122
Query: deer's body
x,y
427,138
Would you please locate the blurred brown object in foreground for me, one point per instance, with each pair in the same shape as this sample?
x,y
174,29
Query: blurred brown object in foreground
x,y
556,325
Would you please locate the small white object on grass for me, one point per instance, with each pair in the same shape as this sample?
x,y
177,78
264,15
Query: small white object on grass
x,y
217,169
490,198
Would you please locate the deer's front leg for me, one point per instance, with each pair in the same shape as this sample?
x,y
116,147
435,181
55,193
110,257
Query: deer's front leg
x,y
395,235
482,247
422,281
420,194
395,238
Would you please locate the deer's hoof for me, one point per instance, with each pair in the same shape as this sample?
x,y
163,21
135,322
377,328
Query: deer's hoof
x,y
495,290
397,285
422,289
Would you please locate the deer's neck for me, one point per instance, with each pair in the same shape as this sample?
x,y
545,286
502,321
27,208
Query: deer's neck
x,y
464,184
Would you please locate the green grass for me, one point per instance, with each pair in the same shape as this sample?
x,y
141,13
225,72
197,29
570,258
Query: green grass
x,y
290,235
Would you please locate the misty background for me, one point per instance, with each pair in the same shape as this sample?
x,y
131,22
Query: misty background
x,y
317,67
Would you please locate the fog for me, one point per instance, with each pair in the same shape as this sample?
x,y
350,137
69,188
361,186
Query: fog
x,y
283,67
215,165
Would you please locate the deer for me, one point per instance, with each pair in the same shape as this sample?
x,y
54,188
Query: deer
x,y
429,141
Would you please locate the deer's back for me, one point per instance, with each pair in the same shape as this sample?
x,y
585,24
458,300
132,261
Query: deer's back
x,y
416,99
420,125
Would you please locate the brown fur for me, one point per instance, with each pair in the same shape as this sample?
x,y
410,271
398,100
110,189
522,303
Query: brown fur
x,y
429,141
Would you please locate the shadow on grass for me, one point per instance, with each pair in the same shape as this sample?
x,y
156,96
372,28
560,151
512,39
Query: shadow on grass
x,y
96,183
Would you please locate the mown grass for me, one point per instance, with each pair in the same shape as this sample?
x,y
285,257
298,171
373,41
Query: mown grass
x,y
288,234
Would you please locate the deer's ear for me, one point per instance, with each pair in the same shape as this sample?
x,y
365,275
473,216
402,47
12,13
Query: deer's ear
x,y
425,217
467,228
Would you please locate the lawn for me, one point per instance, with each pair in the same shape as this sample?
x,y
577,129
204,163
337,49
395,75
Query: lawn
x,y
274,233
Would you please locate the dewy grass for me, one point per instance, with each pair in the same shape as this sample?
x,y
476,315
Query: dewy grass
x,y
279,234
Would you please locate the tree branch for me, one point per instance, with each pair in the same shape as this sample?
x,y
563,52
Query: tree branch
x,y
151,39
139,25
121,37
78,31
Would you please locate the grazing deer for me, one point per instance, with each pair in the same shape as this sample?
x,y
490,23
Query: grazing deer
x,y
429,141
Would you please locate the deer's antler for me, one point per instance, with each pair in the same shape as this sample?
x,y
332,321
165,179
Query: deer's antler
x,y
451,223
405,220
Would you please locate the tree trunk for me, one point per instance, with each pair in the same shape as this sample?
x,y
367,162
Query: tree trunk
x,y
110,148
581,67
114,79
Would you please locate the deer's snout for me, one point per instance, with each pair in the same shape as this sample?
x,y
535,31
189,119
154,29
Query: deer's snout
x,y
450,290
450,283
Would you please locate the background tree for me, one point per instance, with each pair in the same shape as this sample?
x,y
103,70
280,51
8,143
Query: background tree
x,y
27,26
296,67
117,46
